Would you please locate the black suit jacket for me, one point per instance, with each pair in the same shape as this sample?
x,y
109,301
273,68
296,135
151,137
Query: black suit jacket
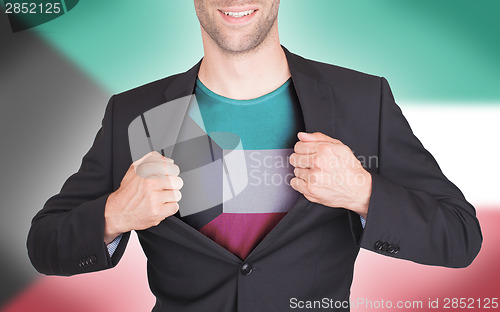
x,y
415,212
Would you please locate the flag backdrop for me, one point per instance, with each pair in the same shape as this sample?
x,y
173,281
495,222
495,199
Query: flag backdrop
x,y
442,59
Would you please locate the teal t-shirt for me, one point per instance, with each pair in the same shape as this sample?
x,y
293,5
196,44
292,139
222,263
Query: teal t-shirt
x,y
257,137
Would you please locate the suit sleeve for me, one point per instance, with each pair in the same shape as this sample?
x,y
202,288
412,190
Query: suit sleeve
x,y
67,236
415,212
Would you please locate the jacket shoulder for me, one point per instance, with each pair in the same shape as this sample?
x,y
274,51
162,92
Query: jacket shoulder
x,y
152,90
132,103
338,75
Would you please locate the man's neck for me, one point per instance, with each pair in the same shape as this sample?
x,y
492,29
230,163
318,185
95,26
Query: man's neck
x,y
244,76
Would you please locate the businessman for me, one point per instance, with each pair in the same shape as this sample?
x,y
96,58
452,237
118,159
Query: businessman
x,y
310,200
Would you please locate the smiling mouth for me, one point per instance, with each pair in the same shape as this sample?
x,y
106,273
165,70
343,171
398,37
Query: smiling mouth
x,y
239,14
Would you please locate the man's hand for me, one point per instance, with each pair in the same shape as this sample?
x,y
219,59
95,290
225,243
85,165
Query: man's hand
x,y
148,193
327,172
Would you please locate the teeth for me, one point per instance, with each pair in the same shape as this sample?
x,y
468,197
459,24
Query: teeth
x,y
239,14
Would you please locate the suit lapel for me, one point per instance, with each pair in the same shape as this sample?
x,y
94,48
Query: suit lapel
x,y
183,84
316,98
316,102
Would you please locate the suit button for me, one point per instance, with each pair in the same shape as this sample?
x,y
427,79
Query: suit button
x,y
378,245
396,249
82,263
87,262
384,246
246,269
93,260
390,249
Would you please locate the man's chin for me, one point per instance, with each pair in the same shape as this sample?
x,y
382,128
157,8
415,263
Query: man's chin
x,y
239,46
